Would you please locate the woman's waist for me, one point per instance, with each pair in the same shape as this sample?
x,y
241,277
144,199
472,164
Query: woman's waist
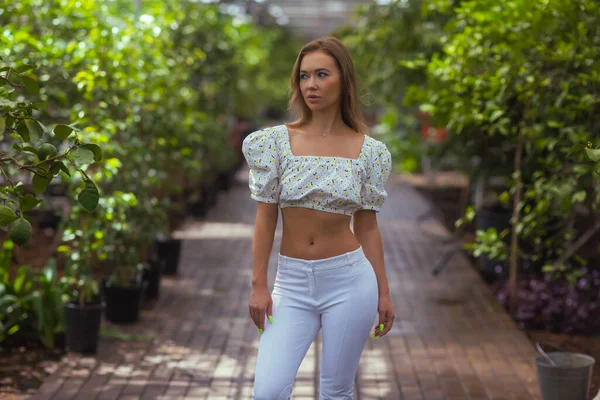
x,y
317,246
344,259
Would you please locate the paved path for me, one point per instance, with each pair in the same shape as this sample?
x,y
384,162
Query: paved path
x,y
451,340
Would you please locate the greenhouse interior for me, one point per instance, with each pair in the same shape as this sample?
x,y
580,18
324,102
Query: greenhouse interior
x,y
275,199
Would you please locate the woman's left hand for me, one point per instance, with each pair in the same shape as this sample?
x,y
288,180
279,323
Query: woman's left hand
x,y
386,316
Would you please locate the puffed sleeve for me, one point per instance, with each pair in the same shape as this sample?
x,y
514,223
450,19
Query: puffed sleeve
x,y
260,152
378,169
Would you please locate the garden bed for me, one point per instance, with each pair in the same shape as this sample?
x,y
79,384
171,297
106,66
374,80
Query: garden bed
x,y
23,367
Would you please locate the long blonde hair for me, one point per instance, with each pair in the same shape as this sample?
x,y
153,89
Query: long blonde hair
x,y
350,105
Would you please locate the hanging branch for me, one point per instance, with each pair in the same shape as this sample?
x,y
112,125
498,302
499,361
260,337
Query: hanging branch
x,y
578,244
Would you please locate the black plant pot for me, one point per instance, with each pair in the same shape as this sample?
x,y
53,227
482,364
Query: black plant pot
x,y
123,303
60,341
197,207
492,270
493,218
223,181
82,326
209,192
196,203
168,253
151,278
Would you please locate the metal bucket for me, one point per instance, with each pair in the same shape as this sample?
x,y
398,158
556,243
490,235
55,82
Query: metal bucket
x,y
564,375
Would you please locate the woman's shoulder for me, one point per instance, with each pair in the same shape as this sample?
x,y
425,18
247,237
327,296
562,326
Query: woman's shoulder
x,y
271,134
266,140
375,148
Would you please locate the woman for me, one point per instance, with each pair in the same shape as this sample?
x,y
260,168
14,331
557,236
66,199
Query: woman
x,y
320,170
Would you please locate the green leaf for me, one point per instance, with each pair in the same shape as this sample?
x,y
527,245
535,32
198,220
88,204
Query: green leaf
x,y
94,148
23,283
30,84
23,131
576,149
49,273
578,196
496,114
63,168
554,124
117,334
2,124
40,183
55,168
7,215
593,154
26,67
89,196
82,155
547,268
62,131
7,103
35,129
30,149
28,202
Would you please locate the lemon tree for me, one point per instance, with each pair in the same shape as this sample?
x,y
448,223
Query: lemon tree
x,y
30,162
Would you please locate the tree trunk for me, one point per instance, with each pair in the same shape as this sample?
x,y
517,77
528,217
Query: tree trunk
x,y
514,246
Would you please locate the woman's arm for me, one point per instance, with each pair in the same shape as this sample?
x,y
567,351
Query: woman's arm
x,y
261,304
367,232
262,241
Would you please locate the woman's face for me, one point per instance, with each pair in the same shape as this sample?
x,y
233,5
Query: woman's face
x,y
320,81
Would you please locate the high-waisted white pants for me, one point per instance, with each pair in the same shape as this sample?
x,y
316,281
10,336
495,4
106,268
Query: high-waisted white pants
x,y
338,294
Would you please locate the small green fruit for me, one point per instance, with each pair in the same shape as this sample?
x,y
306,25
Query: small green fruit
x,y
46,151
20,231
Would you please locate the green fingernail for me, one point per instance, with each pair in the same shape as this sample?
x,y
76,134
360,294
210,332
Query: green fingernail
x,y
260,330
271,318
380,327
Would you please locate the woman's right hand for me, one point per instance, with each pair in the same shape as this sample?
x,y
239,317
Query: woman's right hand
x,y
260,304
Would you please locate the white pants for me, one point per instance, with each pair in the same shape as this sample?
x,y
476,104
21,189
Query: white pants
x,y
338,294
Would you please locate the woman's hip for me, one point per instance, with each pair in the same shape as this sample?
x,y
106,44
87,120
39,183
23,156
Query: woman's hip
x,y
346,274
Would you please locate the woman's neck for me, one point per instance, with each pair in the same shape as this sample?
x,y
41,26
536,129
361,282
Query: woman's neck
x,y
326,121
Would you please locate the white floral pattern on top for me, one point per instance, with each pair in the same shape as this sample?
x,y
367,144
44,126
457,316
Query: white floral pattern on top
x,y
334,184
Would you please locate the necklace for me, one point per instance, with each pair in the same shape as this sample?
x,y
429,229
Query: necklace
x,y
324,134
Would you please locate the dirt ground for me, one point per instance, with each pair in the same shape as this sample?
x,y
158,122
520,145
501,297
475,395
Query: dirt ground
x,y
24,367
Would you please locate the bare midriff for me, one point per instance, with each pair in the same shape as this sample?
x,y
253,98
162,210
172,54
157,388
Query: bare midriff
x,y
312,234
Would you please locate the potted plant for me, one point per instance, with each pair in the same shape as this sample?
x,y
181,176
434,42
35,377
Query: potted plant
x,y
123,288
83,244
42,153
167,249
83,313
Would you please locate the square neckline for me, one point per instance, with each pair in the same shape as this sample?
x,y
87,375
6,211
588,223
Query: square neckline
x,y
289,148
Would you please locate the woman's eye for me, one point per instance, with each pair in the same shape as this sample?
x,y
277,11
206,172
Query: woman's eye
x,y
320,74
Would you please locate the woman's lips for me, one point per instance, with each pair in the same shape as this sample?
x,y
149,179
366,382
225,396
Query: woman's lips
x,y
313,99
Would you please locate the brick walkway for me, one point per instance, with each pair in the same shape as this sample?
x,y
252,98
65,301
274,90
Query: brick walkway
x,y
451,340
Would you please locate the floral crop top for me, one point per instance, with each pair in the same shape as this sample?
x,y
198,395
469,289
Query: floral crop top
x,y
333,184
